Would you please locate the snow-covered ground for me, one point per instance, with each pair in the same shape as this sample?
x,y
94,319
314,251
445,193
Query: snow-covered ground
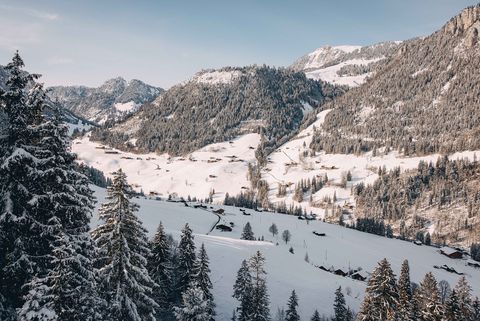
x,y
329,74
340,248
221,167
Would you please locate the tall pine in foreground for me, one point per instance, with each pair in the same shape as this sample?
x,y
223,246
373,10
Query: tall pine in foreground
x,y
404,311
160,269
291,313
186,268
381,297
203,279
69,285
242,291
340,306
427,299
260,301
122,240
17,166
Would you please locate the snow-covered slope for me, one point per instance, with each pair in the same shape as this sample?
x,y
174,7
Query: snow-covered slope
x,y
341,248
221,167
343,65
113,100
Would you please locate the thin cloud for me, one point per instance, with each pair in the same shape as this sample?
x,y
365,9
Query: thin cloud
x,y
44,15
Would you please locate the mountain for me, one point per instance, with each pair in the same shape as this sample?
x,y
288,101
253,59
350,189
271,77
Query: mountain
x,y
422,100
344,65
112,101
219,105
69,117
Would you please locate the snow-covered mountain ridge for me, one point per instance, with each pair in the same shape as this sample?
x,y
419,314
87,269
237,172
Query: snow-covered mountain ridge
x,y
112,101
344,65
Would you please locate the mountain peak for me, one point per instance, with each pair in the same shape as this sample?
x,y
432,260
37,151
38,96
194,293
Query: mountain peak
x,y
466,23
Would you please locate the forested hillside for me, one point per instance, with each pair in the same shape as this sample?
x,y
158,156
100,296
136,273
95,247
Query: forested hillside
x,y
217,106
423,100
441,198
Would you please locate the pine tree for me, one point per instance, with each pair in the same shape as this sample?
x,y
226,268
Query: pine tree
x,y
159,268
381,297
194,306
428,299
340,306
242,291
17,190
203,279
122,240
291,313
476,309
463,291
187,267
260,301
404,311
247,233
453,311
315,316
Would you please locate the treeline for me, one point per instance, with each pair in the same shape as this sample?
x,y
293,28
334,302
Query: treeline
x,y
441,185
95,176
387,298
191,115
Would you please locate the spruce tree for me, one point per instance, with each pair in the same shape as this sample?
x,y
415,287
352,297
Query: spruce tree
x,y
315,316
340,306
453,311
463,291
404,311
291,313
476,309
203,279
260,310
247,233
18,165
126,284
381,297
428,299
242,291
194,306
187,267
159,269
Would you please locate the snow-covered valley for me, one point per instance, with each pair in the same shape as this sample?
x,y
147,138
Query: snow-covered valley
x,y
340,248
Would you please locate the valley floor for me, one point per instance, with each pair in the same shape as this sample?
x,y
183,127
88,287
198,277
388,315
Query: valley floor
x,y
341,248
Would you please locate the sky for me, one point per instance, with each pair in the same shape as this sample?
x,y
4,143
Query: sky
x,y
164,42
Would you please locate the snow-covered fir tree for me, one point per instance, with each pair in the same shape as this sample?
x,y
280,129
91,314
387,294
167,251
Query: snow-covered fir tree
x,y
381,296
260,301
428,299
453,311
203,279
247,233
69,202
340,306
126,284
242,291
464,294
160,269
315,316
186,269
404,311
291,314
194,306
17,166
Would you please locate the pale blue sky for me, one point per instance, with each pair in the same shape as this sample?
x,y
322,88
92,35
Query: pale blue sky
x,y
165,42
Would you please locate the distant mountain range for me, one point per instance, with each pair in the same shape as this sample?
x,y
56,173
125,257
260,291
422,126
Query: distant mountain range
x,y
112,101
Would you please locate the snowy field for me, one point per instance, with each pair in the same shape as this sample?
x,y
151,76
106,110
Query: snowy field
x,y
340,248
